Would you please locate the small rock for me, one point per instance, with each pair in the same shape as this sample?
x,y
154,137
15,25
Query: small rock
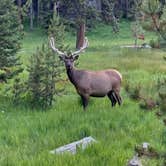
x,y
145,45
72,147
135,162
145,145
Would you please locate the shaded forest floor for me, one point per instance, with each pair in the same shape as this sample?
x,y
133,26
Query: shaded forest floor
x,y
27,136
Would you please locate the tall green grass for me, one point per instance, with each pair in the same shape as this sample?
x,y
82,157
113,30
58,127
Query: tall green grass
x,y
27,136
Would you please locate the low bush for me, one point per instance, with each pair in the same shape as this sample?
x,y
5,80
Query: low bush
x,y
154,43
133,91
162,94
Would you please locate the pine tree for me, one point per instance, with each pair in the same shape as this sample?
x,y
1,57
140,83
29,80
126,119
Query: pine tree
x,y
78,12
56,29
45,69
156,9
108,13
136,27
45,13
10,35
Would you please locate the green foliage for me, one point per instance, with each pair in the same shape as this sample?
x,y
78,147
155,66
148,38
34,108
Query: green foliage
x,y
10,35
137,30
156,9
3,77
19,91
76,9
109,14
154,43
45,14
136,25
44,73
147,25
9,73
57,30
45,68
133,91
80,11
162,94
151,6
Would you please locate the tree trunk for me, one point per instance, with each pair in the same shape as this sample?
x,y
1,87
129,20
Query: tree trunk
x,y
31,15
135,44
38,10
80,35
55,9
98,5
121,5
127,8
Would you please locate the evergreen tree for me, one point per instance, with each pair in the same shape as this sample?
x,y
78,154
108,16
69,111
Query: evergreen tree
x,y
156,9
10,36
109,14
45,12
45,69
57,30
79,12
136,27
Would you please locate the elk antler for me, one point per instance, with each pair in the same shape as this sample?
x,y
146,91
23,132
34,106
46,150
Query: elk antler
x,y
85,45
52,44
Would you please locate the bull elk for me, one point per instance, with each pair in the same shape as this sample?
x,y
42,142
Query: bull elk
x,y
90,83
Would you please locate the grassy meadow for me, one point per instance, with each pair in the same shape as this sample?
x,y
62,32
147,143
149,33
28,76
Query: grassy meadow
x,y
27,136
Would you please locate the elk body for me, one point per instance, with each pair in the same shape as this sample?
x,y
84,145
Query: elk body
x,y
91,83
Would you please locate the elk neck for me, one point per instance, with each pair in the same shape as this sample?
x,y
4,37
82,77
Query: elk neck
x,y
71,72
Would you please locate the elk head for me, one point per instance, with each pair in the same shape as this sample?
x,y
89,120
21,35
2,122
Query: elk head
x,y
68,58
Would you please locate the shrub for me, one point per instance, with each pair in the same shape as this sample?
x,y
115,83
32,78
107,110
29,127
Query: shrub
x,y
154,43
133,91
44,72
147,25
148,103
19,90
162,94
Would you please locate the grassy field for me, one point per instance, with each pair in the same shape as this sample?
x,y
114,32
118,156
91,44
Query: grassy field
x,y
27,136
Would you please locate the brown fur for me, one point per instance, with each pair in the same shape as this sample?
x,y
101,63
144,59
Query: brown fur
x,y
95,83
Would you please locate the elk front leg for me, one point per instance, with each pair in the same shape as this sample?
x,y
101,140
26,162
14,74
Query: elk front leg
x,y
85,100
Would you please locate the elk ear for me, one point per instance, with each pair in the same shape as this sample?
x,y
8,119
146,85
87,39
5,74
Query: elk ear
x,y
76,57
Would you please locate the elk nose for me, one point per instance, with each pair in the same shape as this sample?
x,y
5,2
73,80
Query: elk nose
x,y
68,66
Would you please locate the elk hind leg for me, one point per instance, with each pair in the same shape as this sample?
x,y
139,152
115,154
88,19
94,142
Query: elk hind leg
x,y
119,99
112,97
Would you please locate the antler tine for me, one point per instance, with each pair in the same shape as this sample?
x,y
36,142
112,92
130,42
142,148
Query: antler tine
x,y
52,44
85,45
